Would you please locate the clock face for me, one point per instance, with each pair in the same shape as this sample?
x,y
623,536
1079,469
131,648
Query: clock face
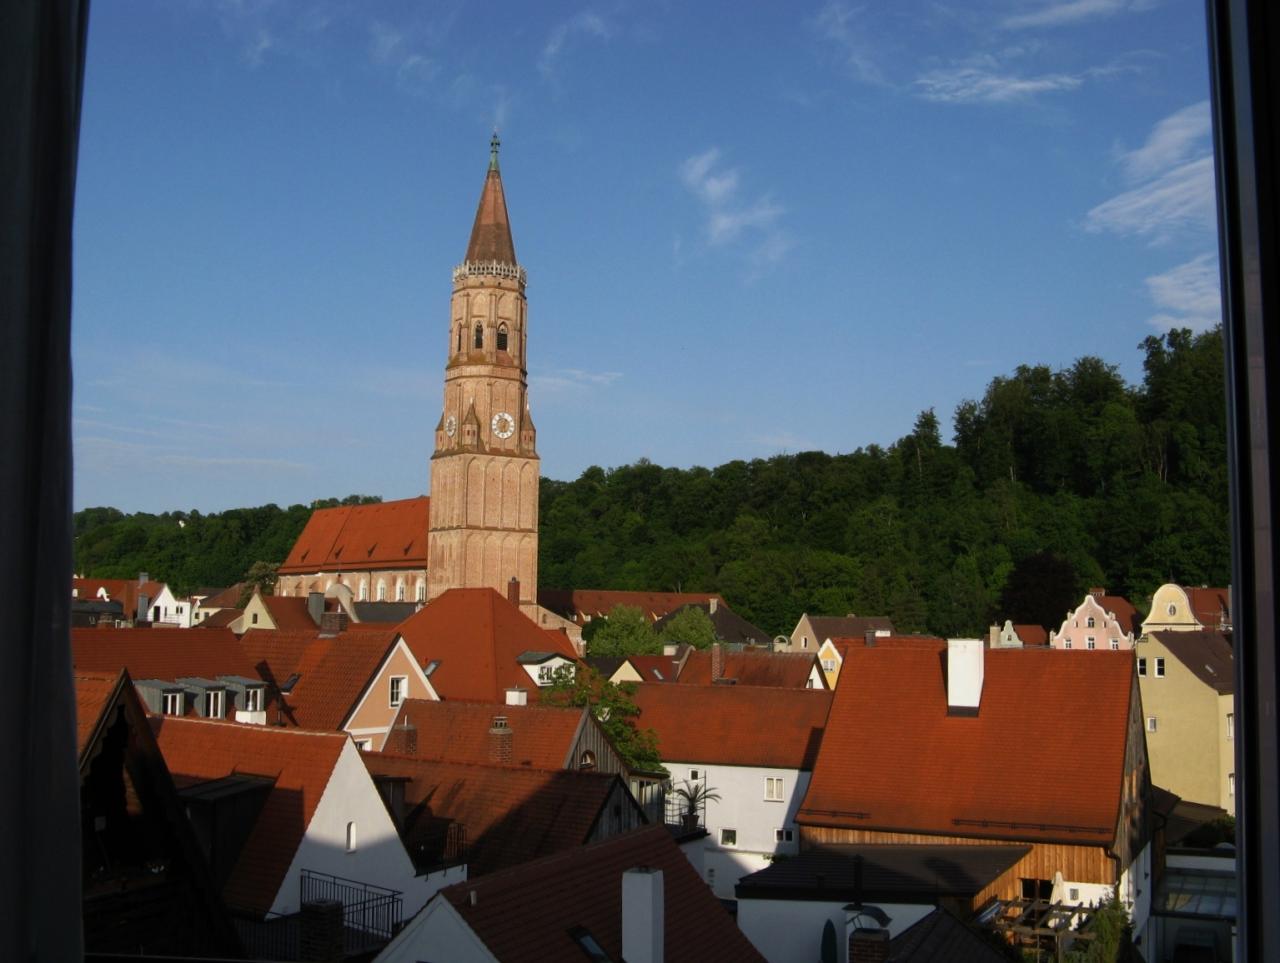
x,y
450,425
503,425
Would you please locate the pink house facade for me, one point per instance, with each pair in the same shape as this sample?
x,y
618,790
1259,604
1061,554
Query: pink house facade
x,y
1102,622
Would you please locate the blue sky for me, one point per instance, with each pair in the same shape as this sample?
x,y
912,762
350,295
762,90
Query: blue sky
x,y
749,228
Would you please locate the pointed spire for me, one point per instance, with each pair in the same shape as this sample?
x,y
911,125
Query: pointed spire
x,y
491,234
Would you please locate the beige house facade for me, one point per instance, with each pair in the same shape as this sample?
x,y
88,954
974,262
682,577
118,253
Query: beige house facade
x,y
1178,609
1188,704
397,679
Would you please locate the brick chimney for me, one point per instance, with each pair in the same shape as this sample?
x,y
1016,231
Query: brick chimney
x,y
513,591
321,931
870,638
717,661
333,623
500,739
868,945
402,740
643,912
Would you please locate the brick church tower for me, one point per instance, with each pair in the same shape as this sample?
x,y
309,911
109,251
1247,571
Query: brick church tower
x,y
484,473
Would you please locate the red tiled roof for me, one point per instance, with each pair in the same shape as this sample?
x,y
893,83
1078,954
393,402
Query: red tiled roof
x,y
1210,605
159,653
735,725
491,232
200,750
289,613
354,537
541,736
1032,634
782,669
1019,762
477,635
894,641
577,603
122,590
220,619
1123,610
223,598
332,672
649,667
528,912
94,692
510,814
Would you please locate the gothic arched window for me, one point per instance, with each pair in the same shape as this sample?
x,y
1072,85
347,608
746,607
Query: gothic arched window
x,y
459,347
502,337
479,336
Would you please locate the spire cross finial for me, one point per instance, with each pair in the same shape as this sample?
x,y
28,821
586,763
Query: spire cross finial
x,y
494,143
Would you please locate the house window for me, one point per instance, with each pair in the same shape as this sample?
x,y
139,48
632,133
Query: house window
x,y
1089,622
364,590
1151,723
694,775
828,665
479,340
173,703
784,835
728,837
397,689
1115,645
399,591
1090,642
252,700
382,591
546,674
588,760
1231,726
1173,609
253,619
213,704
1073,894
1159,667
364,745
351,837
422,591
502,337
773,789
804,641
808,683
1066,644
459,347
1142,667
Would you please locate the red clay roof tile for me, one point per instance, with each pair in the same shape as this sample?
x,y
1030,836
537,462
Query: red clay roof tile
x,y
1020,761
576,604
354,537
94,692
159,653
541,736
780,669
289,613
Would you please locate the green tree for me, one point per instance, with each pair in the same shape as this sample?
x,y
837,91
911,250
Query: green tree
x,y
690,625
626,631
613,708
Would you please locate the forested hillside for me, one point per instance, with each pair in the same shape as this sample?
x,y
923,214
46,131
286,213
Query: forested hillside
x,y
1058,480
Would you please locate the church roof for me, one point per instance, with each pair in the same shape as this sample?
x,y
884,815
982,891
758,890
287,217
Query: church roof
x,y
355,537
491,234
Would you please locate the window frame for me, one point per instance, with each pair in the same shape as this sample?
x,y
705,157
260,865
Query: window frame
x,y
772,785
1159,667
393,690
729,837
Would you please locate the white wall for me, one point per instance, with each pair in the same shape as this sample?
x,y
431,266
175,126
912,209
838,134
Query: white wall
x,y
379,857
438,933
743,807
790,931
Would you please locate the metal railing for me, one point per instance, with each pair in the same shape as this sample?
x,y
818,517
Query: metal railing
x,y
371,915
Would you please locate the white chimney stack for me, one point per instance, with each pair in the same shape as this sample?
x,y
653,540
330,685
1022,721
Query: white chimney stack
x,y
517,697
964,676
642,915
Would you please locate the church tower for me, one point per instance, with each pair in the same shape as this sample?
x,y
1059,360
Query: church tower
x,y
484,473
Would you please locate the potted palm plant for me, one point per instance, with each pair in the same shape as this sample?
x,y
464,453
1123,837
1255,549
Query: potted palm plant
x,y
695,796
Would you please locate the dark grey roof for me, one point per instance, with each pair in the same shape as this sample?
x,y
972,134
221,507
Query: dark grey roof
x,y
729,625
848,626
889,873
605,665
940,936
97,605
534,658
1207,653
383,611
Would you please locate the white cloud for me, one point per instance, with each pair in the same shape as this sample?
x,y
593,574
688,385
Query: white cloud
x,y
585,23
841,25
972,84
1178,200
384,41
1059,14
564,379
727,224
729,217
1189,295
1172,141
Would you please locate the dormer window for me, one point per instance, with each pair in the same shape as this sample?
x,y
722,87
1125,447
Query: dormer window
x,y
479,340
173,703
502,337
214,702
252,700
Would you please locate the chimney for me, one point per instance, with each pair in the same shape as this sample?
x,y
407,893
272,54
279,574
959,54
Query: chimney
x,y
717,661
144,603
321,931
500,737
402,740
517,696
964,676
1097,593
870,638
513,591
711,605
642,915
332,623
867,945
143,578
315,606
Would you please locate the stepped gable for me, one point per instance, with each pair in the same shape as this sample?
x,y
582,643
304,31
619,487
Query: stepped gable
x,y
159,653
1004,773
532,912
333,671
788,670
300,763
509,814
477,637
735,725
542,737
359,537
